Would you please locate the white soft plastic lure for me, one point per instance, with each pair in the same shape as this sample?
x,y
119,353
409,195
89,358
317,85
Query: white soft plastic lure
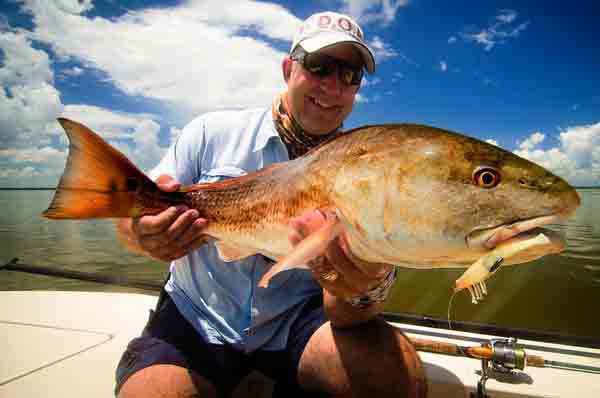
x,y
474,277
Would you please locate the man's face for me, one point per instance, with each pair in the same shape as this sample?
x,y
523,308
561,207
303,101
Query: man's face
x,y
321,104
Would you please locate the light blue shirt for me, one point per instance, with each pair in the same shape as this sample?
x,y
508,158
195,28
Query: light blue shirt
x,y
222,300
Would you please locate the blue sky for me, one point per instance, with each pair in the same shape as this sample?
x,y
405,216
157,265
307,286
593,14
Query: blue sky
x,y
515,73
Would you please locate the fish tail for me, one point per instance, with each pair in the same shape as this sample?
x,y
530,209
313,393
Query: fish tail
x,y
100,182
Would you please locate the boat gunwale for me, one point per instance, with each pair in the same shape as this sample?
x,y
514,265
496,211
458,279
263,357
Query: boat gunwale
x,y
494,330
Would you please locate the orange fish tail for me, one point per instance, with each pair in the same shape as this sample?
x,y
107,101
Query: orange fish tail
x,y
100,182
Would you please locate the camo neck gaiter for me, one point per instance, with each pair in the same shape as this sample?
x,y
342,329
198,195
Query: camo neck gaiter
x,y
296,140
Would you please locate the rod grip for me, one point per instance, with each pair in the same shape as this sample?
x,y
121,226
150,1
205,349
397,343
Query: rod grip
x,y
434,346
534,360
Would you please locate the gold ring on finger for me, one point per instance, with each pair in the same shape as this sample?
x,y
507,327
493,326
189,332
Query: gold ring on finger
x,y
330,276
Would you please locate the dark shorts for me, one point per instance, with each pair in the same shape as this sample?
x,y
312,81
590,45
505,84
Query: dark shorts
x,y
169,339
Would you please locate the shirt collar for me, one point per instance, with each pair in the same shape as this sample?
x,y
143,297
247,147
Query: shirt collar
x,y
266,132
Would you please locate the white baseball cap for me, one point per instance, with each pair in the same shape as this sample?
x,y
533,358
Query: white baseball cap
x,y
326,29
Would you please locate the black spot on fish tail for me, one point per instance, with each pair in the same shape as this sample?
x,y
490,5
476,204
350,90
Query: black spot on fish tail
x,y
132,184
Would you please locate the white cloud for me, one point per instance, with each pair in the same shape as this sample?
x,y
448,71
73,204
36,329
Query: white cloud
x,y
111,125
577,157
196,56
28,105
361,99
72,72
381,49
492,141
443,66
28,100
532,141
504,28
21,164
46,155
484,38
452,40
188,58
506,16
136,135
397,76
20,173
147,149
22,64
73,6
369,11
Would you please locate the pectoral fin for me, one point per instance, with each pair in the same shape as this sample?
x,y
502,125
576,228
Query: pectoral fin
x,y
309,248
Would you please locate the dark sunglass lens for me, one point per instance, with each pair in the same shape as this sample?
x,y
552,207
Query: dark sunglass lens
x,y
320,70
347,75
357,76
323,65
319,64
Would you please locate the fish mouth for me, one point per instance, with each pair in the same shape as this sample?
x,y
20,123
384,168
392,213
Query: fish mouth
x,y
488,238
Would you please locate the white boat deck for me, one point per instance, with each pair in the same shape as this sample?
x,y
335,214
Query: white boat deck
x,y
67,344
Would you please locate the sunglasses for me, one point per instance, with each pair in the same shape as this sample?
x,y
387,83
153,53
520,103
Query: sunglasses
x,y
323,65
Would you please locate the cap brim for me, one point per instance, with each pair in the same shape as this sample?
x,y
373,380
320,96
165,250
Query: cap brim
x,y
323,40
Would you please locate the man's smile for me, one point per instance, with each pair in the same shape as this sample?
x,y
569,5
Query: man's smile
x,y
322,104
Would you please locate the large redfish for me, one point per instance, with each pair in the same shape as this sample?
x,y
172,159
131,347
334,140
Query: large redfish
x,y
408,195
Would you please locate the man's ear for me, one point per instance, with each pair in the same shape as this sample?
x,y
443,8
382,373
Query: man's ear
x,y
286,68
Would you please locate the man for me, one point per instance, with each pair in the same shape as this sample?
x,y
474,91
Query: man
x,y
313,332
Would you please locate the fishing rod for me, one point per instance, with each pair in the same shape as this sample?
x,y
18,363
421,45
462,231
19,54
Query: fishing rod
x,y
14,265
504,354
500,356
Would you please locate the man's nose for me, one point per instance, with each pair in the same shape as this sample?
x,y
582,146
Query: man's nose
x,y
332,84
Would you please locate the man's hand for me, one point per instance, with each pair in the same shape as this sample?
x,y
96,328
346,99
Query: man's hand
x,y
168,235
354,276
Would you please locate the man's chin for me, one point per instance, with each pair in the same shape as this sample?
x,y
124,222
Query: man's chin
x,y
321,127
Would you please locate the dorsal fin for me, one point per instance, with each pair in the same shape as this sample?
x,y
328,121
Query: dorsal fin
x,y
233,181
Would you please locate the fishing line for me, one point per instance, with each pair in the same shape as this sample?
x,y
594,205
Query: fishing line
x,y
460,349
449,306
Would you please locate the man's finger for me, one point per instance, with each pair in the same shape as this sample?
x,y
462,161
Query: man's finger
x,y
154,224
191,234
344,266
339,286
294,238
180,226
167,183
374,271
173,253
177,235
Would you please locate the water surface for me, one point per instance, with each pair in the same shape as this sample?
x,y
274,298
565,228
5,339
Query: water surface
x,y
558,293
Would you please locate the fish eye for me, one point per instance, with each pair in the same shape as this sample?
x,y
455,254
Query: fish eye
x,y
486,177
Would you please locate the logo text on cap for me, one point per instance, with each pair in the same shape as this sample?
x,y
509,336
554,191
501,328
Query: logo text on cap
x,y
340,24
